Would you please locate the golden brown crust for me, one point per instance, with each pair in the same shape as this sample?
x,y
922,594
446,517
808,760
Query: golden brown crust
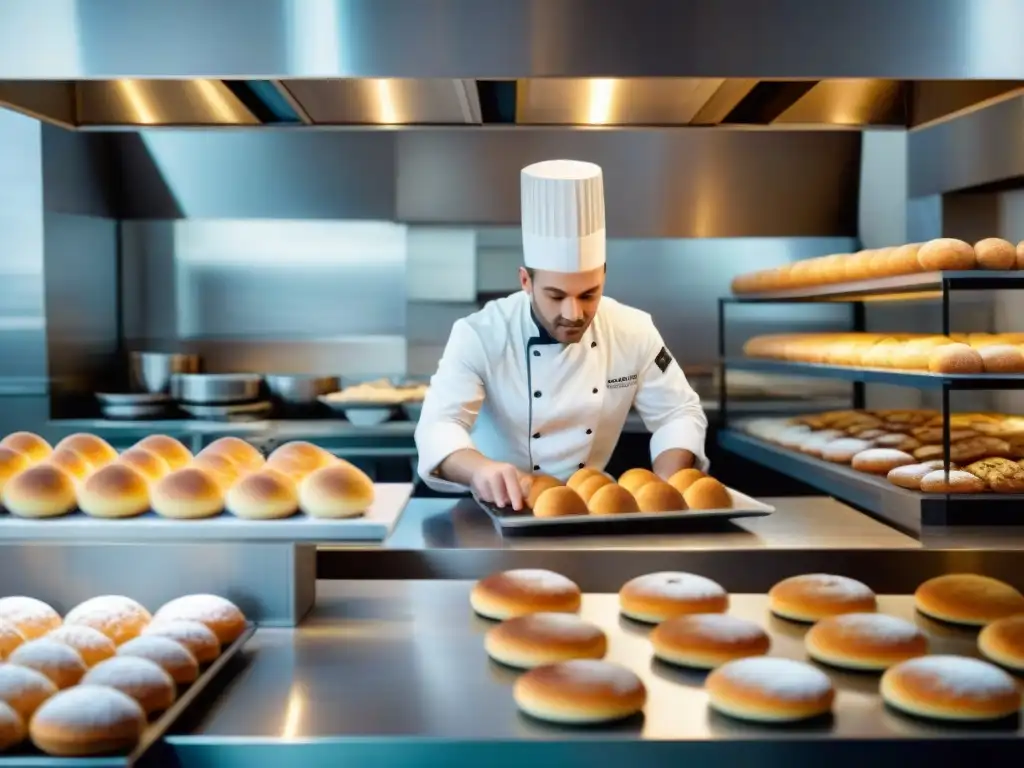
x,y
28,444
659,496
188,493
167,448
299,457
946,253
955,481
561,501
815,596
579,476
708,493
115,491
655,597
707,640
867,641
1002,641
633,479
995,253
95,450
968,598
592,485
523,591
40,491
684,478
337,490
539,484
1001,475
951,688
612,499
581,691
150,465
265,495
537,639
955,358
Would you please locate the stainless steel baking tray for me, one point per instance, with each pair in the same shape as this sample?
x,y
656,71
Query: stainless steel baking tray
x,y
154,733
509,519
216,388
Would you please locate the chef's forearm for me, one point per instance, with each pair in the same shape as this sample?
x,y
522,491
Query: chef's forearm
x,y
667,463
460,466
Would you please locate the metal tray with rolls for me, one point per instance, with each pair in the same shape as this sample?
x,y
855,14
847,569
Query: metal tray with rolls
x,y
150,746
637,522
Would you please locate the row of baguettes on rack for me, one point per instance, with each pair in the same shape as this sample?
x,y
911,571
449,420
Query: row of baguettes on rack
x,y
934,256
974,353
905,446
84,472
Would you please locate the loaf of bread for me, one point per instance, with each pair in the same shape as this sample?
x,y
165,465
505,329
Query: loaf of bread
x,y
995,253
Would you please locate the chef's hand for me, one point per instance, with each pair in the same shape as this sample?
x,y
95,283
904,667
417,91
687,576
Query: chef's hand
x,y
500,484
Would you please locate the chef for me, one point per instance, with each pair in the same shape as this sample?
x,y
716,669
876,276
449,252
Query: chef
x,y
541,382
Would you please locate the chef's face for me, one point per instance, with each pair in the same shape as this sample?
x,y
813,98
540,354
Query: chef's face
x,y
565,303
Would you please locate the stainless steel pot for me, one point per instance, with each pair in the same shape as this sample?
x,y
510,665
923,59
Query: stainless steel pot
x,y
215,388
301,389
153,371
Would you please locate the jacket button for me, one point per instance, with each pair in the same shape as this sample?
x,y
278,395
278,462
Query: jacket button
x,y
537,393
590,431
593,344
595,390
536,435
581,465
536,353
536,467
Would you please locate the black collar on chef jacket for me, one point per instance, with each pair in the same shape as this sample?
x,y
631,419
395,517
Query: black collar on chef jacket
x,y
542,337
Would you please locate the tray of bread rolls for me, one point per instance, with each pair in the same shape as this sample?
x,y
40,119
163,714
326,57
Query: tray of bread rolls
x,y
592,501
101,685
83,489
674,656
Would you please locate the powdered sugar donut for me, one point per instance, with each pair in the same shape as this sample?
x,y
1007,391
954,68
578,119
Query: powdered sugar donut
x,y
32,618
12,728
24,689
57,661
142,679
708,640
219,614
197,638
10,638
951,688
867,641
580,692
174,658
92,645
815,596
87,720
770,690
544,638
522,591
658,596
119,618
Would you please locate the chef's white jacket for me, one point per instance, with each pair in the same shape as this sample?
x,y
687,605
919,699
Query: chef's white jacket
x,y
507,389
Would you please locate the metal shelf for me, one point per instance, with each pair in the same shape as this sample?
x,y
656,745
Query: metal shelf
x,y
915,379
909,510
919,283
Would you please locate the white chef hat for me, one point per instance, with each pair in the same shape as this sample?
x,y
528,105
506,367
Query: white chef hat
x,y
563,216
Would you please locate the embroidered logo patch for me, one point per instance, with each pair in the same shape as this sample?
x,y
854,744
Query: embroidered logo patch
x,y
622,382
663,359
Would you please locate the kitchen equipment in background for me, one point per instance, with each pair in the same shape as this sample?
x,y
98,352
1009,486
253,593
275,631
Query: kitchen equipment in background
x,y
135,405
297,394
368,403
153,371
229,411
217,388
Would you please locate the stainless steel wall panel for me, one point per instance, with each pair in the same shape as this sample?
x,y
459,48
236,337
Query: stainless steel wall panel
x,y
441,264
78,173
63,39
668,184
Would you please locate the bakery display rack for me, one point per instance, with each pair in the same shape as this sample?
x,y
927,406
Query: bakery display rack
x,y
829,478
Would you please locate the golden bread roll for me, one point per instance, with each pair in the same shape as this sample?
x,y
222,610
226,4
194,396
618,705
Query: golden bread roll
x,y
1002,641
955,358
219,467
591,485
632,479
1002,358
815,596
11,463
968,599
142,679
92,645
770,690
40,491
265,495
708,640
708,493
1001,475
903,260
222,616
955,481
244,454
150,465
29,445
655,597
880,461
995,253
659,496
187,494
580,475
87,720
10,638
336,490
173,658
843,450
561,501
118,617
539,484
197,638
299,458
530,641
115,491
950,688
946,253
878,264
580,692
864,641
23,689
32,618
1020,255
12,728
59,662
909,476
520,592
71,462
95,450
167,448
612,499
684,478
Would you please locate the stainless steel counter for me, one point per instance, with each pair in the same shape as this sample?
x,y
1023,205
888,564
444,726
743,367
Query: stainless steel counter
x,y
396,673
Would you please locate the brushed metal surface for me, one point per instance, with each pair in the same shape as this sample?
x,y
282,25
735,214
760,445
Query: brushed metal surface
x,y
612,101
154,371
57,39
377,665
159,102
215,388
850,102
299,389
387,101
